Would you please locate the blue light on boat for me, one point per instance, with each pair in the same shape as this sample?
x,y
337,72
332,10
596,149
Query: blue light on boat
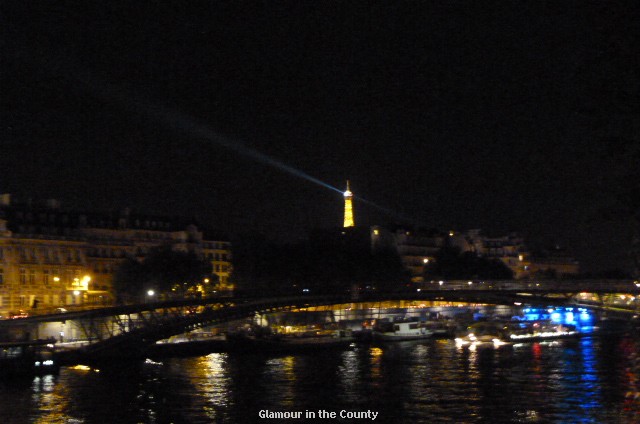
x,y
584,316
569,317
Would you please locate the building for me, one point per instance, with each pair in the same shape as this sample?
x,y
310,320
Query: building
x,y
418,247
512,250
415,247
51,257
553,263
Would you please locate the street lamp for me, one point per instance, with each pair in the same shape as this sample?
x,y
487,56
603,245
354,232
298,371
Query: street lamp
x,y
150,294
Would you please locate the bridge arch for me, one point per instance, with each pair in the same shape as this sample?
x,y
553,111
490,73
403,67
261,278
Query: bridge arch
x,y
127,330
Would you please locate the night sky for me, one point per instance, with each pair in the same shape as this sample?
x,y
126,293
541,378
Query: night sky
x,y
505,116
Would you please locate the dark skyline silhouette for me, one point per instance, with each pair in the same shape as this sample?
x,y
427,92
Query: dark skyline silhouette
x,y
454,115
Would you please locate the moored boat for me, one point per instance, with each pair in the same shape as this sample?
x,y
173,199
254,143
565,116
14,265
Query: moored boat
x,y
27,358
442,328
399,331
188,347
281,343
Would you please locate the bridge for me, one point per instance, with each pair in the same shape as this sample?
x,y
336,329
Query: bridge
x,y
127,330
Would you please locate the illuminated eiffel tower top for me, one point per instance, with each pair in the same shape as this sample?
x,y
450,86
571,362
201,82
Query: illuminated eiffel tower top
x,y
348,208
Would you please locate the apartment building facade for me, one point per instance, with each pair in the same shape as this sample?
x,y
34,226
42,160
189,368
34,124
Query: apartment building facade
x,y
51,257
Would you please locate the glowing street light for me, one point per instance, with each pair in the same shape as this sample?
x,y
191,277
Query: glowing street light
x,y
84,283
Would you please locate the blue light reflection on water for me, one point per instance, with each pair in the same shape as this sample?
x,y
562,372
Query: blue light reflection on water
x,y
586,380
582,318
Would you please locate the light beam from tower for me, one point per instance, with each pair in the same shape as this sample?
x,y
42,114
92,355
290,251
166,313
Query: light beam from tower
x,y
348,208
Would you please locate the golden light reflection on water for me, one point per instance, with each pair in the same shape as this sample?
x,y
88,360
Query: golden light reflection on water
x,y
213,382
432,381
281,371
289,363
375,354
52,401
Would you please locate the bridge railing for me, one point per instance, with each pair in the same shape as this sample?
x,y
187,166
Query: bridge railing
x,y
541,287
568,286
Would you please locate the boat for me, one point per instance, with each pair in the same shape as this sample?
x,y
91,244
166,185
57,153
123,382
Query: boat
x,y
442,328
530,331
190,346
501,333
484,334
288,343
403,330
28,358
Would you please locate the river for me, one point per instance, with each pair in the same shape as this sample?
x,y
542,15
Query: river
x,y
589,380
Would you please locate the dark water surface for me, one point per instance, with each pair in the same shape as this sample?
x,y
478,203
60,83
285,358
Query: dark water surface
x,y
591,380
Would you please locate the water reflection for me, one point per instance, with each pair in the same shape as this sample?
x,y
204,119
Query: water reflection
x,y
53,403
281,373
348,373
375,361
209,377
589,380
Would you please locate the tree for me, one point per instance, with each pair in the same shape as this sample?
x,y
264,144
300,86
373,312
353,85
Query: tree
x,y
129,280
254,260
328,262
452,264
386,271
175,271
167,271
